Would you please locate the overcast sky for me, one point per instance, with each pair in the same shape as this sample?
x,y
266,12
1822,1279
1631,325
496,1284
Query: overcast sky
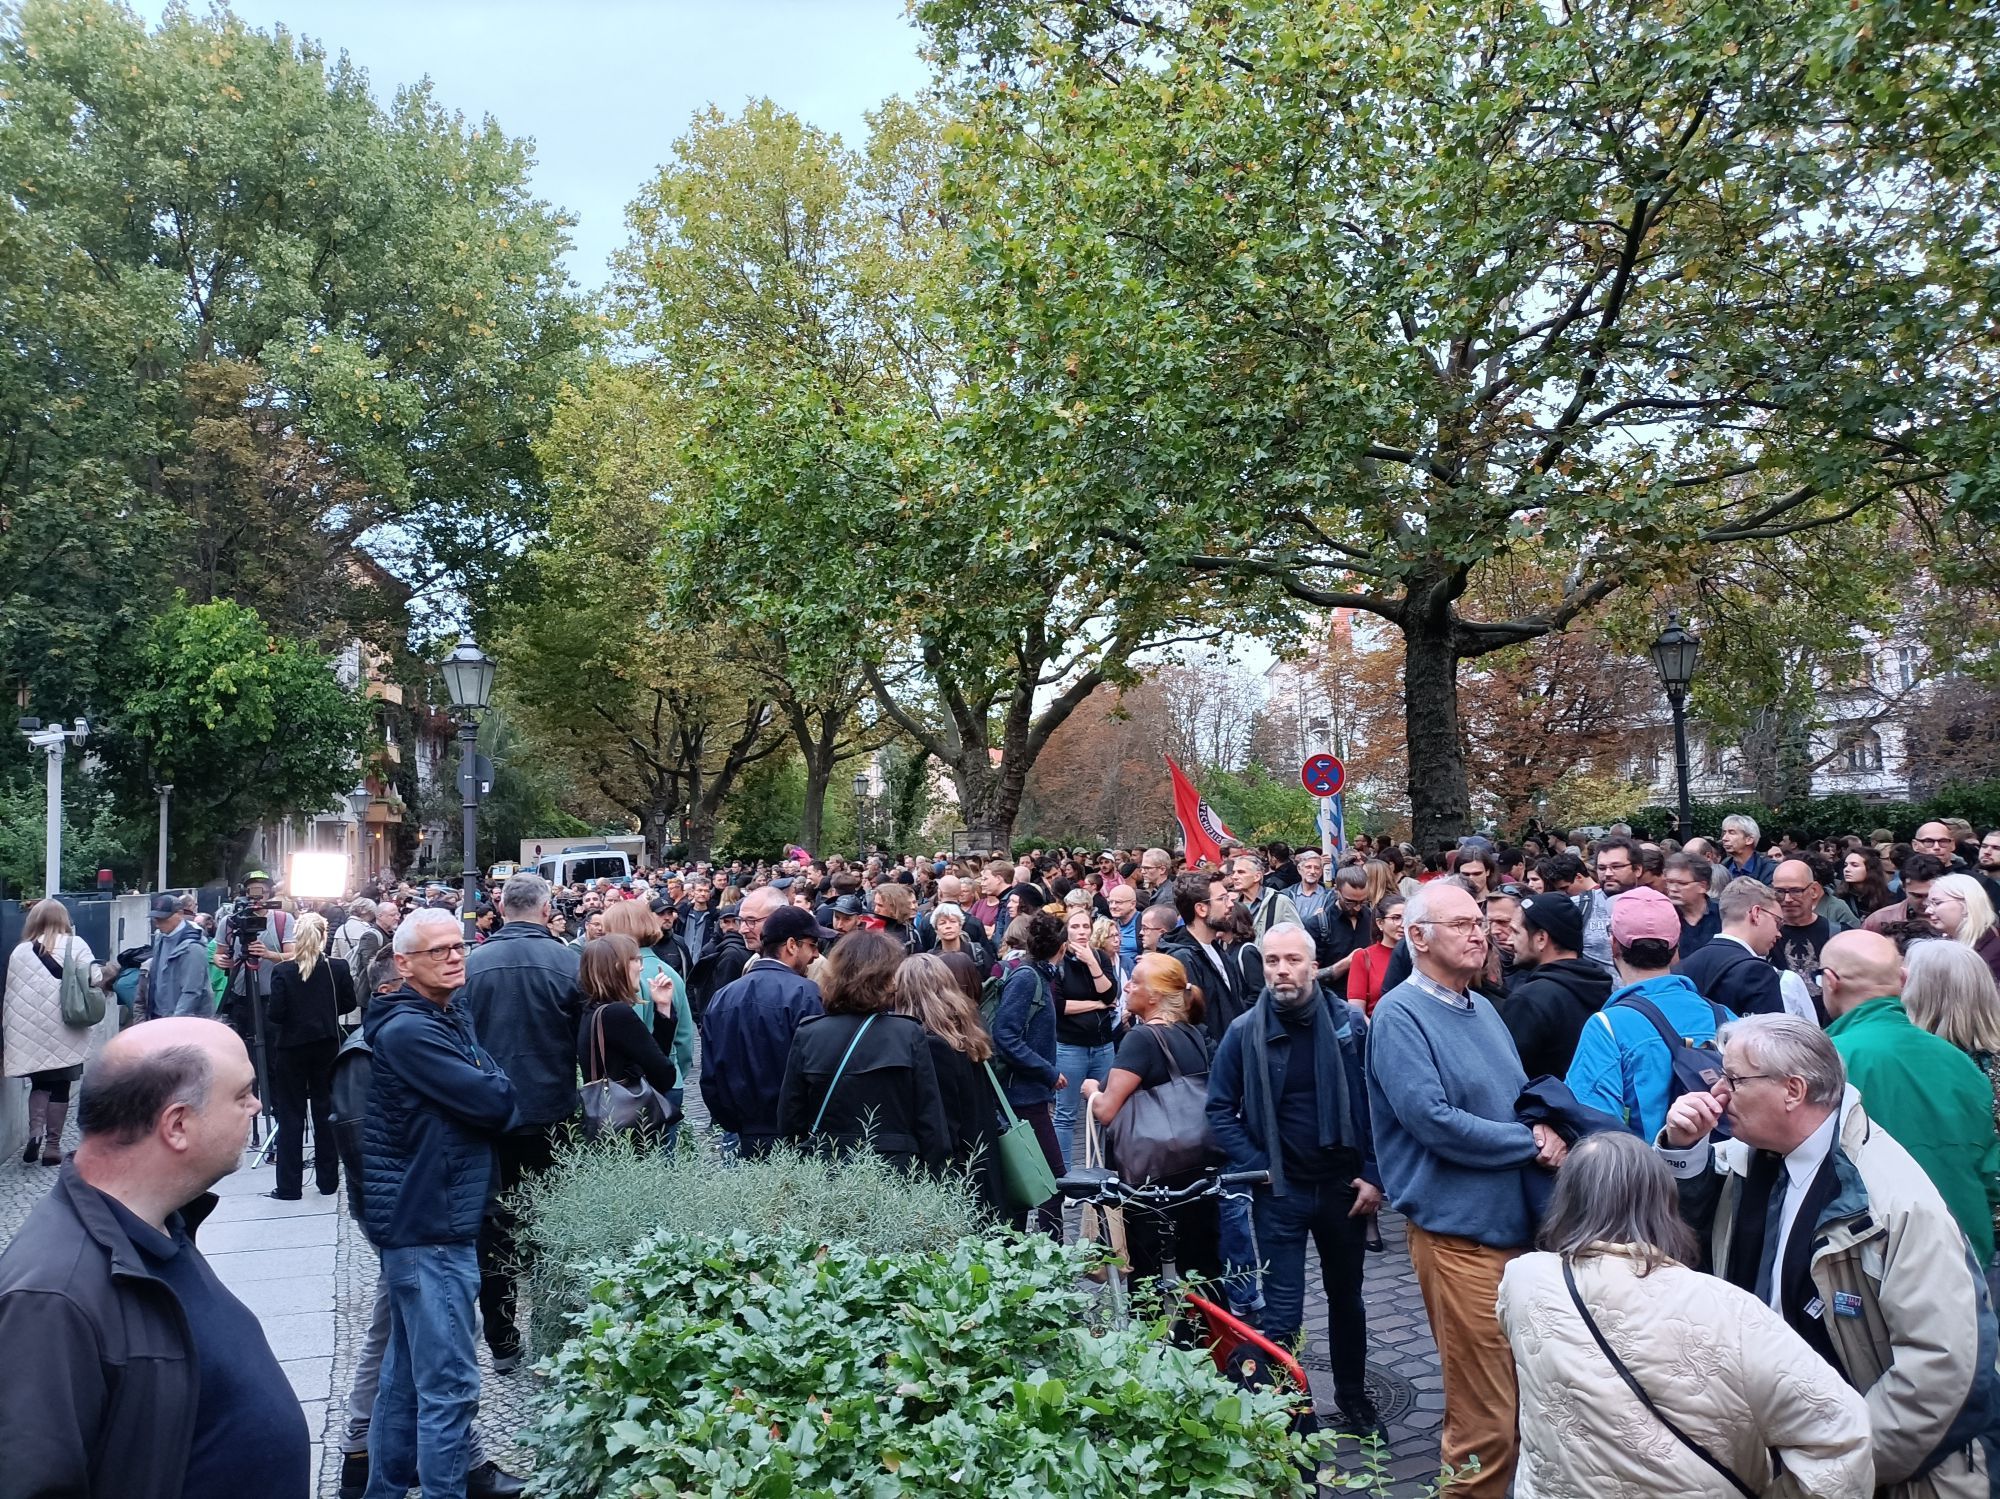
x,y
605,86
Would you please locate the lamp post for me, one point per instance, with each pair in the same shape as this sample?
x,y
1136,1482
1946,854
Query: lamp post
x,y
1674,655
861,816
468,678
166,790
54,741
357,803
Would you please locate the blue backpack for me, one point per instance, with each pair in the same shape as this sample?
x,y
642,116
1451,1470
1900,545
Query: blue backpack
x,y
1692,1066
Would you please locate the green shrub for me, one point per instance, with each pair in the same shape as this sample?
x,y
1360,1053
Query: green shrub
x,y
600,1200
777,1365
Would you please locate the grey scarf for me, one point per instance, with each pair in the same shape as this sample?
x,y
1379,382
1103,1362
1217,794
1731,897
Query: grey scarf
x,y
1336,1115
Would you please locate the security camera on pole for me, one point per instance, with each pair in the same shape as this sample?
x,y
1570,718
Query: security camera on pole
x,y
54,741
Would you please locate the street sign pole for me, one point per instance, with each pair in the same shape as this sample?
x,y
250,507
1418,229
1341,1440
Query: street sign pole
x,y
1326,777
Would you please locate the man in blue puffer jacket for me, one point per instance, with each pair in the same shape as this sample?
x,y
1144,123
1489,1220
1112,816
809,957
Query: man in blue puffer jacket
x,y
436,1104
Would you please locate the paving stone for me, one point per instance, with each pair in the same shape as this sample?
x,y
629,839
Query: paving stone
x,y
275,1233
300,1335
243,1266
292,1296
256,1205
311,1378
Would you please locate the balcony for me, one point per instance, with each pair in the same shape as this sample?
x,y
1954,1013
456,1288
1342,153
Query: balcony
x,y
386,692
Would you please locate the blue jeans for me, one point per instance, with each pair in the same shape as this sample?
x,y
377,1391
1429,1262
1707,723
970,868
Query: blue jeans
x,y
1241,1264
421,1429
1283,1224
1077,1063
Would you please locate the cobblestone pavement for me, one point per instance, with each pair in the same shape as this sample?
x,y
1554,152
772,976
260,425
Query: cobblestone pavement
x,y
1402,1360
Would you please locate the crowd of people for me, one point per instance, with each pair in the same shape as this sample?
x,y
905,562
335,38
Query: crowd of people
x,y
1694,1144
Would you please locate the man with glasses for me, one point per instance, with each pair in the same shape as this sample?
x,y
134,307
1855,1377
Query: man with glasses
x,y
1733,970
437,1103
1443,1077
1802,931
1343,927
1310,896
1814,1208
1616,867
1684,880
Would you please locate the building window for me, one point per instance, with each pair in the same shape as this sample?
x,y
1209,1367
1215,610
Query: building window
x,y
1906,666
1862,751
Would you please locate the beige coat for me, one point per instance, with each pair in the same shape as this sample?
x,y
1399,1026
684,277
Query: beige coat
x,y
35,1037
1723,1365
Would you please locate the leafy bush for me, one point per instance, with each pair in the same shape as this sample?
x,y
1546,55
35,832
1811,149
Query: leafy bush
x,y
775,1365
1833,816
600,1200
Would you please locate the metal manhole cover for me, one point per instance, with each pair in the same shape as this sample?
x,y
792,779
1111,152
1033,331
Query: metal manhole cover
x,y
1393,1395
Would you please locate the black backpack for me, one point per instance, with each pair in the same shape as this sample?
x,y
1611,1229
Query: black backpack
x,y
1692,1067
353,1076
989,1005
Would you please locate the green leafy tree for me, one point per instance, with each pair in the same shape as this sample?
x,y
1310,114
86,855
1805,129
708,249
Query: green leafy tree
x,y
254,319
244,725
791,297
1348,299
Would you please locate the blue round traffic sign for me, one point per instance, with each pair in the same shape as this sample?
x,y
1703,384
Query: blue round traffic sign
x,y
1323,775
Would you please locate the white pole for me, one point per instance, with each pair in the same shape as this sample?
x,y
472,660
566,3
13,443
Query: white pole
x,y
165,792
55,752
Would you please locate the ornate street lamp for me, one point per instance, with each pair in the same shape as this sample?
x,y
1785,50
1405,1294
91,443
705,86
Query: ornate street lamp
x,y
861,815
468,678
1674,655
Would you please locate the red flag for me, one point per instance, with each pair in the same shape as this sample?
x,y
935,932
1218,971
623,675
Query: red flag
x,y
1202,832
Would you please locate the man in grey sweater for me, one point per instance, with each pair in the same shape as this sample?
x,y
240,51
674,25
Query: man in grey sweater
x,y
1443,1077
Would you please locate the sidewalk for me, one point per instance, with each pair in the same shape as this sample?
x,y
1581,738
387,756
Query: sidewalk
x,y
278,1259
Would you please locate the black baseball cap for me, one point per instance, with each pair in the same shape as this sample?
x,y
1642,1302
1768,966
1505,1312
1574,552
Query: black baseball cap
x,y
851,905
787,922
1555,913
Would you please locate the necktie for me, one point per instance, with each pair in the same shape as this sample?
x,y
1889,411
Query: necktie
x,y
1774,1221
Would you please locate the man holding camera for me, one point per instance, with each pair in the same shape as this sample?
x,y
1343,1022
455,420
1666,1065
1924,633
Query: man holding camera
x,y
254,936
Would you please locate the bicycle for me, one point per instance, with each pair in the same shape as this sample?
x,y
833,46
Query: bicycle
x,y
1241,1353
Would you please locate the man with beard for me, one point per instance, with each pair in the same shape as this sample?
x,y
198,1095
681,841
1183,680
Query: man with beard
x,y
1554,990
1287,1095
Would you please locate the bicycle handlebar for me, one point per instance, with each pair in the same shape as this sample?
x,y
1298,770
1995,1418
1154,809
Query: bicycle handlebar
x,y
1098,1183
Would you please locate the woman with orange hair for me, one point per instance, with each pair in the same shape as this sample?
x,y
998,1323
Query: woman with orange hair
x,y
1162,1042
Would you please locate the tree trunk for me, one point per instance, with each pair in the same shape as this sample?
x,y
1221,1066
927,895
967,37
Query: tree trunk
x,y
1440,799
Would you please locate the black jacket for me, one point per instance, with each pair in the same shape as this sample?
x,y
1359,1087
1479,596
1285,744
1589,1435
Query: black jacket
x,y
746,1038
1728,974
304,1010
972,1118
887,1095
520,990
1546,1009
104,1401
629,1050
435,1103
719,966
1226,992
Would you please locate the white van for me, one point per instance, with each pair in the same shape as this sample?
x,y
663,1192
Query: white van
x,y
575,865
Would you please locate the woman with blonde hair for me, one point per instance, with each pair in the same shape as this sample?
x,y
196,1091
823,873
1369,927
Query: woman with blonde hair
x,y
1959,907
1381,881
1162,1042
929,989
1949,991
309,993
672,1025
39,1046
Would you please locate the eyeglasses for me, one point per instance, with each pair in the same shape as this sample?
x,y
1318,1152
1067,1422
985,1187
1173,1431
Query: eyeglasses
x,y
1943,900
442,950
1932,842
1462,924
1791,892
1735,1080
